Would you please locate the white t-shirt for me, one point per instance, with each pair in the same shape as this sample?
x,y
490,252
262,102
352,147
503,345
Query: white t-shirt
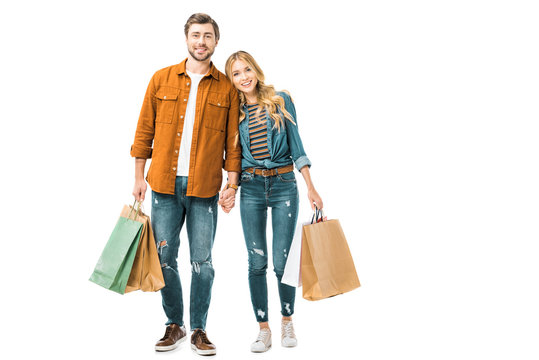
x,y
188,123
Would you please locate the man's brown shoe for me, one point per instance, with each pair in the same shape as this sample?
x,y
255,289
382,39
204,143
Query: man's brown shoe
x,y
201,344
174,335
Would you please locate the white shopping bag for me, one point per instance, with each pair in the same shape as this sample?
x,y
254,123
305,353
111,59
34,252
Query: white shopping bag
x,y
292,269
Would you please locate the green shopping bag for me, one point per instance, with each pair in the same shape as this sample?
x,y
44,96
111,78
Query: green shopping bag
x,y
114,266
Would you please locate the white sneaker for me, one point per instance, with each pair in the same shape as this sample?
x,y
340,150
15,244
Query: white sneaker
x,y
288,338
263,341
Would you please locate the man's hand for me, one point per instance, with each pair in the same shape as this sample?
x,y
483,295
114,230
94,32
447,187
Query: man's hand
x,y
139,191
227,199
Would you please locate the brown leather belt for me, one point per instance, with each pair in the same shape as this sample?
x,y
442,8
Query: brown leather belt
x,y
271,172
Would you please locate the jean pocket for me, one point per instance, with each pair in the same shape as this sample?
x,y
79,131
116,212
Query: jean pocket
x,y
288,177
160,200
246,177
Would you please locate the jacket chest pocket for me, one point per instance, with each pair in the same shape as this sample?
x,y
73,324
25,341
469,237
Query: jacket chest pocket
x,y
166,104
216,111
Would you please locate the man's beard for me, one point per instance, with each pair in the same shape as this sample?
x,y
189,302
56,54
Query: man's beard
x,y
196,57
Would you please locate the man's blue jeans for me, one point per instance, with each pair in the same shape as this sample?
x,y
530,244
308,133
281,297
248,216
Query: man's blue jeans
x,y
169,212
257,194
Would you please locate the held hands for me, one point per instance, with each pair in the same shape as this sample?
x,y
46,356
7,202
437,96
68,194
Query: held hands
x,y
227,199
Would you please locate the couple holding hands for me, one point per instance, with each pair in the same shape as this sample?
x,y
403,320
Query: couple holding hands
x,y
192,117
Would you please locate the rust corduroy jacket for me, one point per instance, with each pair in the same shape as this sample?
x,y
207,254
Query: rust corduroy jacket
x,y
215,132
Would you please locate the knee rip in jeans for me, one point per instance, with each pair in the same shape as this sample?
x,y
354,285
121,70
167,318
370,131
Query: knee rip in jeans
x,y
258,251
195,265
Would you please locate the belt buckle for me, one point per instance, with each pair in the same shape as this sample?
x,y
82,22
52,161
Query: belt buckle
x,y
266,172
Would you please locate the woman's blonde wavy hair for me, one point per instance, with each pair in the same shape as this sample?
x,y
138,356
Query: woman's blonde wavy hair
x,y
266,96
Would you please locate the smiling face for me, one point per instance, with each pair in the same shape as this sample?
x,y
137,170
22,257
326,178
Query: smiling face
x,y
244,78
201,41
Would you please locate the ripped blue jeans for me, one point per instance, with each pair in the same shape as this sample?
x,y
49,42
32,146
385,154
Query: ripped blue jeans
x,y
169,212
257,194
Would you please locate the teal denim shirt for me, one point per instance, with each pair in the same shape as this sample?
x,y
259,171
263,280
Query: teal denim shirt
x,y
285,147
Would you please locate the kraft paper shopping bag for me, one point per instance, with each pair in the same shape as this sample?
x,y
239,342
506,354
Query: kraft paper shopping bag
x,y
327,267
146,273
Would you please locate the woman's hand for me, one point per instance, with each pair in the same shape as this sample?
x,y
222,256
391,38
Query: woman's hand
x,y
315,199
312,194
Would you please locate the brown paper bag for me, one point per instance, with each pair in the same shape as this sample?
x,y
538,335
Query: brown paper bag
x,y
327,267
146,274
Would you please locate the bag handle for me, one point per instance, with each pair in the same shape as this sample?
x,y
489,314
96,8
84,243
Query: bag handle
x,y
138,205
318,215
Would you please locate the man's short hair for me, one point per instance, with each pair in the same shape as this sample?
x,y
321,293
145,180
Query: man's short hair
x,y
201,18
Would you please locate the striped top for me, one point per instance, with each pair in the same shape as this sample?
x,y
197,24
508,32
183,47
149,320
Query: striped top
x,y
258,133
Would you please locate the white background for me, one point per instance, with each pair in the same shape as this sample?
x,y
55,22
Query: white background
x,y
420,118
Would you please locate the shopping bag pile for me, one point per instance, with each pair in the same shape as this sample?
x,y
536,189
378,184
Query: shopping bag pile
x,y
320,260
129,260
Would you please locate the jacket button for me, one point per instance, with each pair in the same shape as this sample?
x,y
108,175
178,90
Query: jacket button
x,y
176,151
164,97
174,169
184,99
181,116
218,104
187,84
179,134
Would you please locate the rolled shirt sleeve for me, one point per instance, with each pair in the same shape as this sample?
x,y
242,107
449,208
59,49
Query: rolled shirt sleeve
x,y
301,162
299,157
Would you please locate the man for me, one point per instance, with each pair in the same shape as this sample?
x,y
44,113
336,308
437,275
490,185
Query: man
x,y
190,114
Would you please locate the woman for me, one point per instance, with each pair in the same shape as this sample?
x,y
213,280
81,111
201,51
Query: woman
x,y
271,146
